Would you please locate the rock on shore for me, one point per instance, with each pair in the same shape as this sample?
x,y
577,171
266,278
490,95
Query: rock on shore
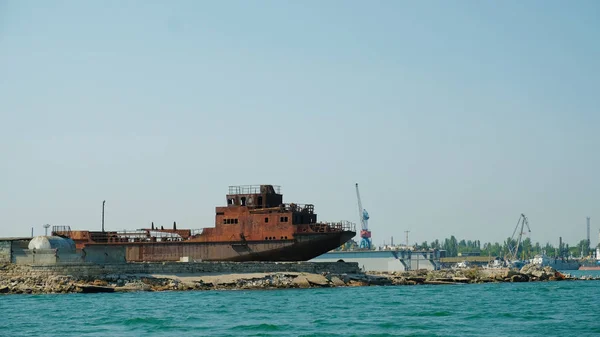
x,y
13,282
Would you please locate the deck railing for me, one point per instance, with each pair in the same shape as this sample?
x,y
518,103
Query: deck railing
x,y
251,189
308,208
142,235
340,226
61,230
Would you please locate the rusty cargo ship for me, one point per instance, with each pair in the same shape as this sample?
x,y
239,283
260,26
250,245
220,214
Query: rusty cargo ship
x,y
255,225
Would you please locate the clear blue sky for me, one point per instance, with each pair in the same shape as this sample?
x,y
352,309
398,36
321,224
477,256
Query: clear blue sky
x,y
454,117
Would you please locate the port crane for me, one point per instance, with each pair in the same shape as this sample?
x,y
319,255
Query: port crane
x,y
517,237
365,233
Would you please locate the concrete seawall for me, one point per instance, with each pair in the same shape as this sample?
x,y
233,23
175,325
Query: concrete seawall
x,y
385,260
88,270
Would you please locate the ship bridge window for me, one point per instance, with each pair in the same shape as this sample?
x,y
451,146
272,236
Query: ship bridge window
x,y
266,220
243,199
283,219
230,221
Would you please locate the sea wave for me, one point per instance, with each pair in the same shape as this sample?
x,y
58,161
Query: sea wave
x,y
520,309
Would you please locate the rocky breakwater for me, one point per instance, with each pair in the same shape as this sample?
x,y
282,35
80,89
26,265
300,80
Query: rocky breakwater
x,y
529,273
20,280
532,272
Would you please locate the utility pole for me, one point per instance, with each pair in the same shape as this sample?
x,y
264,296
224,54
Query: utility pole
x,y
103,202
406,232
588,230
560,247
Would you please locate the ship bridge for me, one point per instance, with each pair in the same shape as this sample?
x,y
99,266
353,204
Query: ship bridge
x,y
255,196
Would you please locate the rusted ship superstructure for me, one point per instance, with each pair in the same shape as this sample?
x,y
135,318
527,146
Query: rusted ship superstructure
x,y
255,225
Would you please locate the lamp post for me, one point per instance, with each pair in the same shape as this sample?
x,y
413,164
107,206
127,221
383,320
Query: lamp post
x,y
103,202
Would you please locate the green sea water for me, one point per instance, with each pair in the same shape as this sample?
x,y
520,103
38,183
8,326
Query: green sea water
x,y
505,309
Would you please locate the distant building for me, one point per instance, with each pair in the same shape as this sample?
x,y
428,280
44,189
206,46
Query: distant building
x,y
470,254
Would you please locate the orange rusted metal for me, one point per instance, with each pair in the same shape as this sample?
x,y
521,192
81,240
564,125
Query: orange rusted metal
x,y
255,225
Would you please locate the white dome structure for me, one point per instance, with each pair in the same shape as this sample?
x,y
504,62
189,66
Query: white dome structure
x,y
52,242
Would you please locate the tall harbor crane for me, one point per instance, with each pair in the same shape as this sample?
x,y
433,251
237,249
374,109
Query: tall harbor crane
x,y
365,233
517,237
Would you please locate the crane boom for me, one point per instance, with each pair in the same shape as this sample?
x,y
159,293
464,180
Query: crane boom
x,y
360,209
365,234
517,237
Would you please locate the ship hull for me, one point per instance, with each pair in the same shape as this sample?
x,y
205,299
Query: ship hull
x,y
563,265
302,248
555,262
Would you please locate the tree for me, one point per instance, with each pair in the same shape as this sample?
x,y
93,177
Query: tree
x,y
526,249
497,249
454,245
583,248
537,249
490,249
450,246
549,250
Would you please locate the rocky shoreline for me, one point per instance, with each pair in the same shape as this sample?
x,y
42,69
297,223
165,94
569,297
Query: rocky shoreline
x,y
11,282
